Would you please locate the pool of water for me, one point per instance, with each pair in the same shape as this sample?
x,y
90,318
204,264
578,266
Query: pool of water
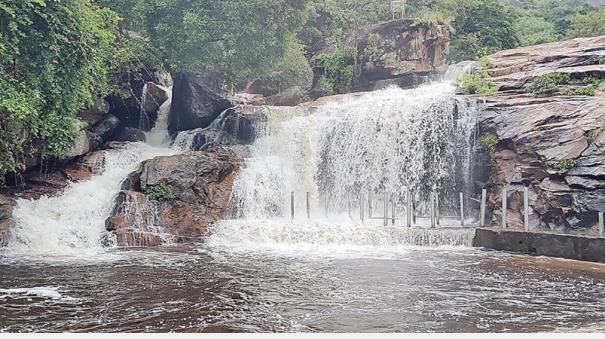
x,y
209,289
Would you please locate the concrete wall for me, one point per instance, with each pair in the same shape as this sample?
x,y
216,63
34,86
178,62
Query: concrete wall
x,y
547,244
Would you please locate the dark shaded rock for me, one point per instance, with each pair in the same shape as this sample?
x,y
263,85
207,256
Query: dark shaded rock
x,y
106,128
201,184
197,100
6,219
154,97
93,114
130,134
94,140
402,51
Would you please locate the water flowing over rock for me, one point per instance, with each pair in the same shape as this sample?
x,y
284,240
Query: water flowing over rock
x,y
200,186
398,52
536,134
339,150
154,97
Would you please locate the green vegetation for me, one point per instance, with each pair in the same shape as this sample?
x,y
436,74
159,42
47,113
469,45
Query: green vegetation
x,y
489,142
478,82
338,70
160,192
549,83
552,83
566,165
55,57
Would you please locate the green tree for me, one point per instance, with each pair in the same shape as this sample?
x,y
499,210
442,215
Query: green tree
x,y
533,30
54,61
561,13
591,24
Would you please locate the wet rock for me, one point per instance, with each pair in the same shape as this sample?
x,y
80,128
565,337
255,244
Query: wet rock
x,y
95,113
81,144
85,167
6,219
106,128
197,100
154,98
200,186
400,50
290,97
537,135
130,134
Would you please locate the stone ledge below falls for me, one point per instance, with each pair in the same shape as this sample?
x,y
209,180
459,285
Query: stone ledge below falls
x,y
542,244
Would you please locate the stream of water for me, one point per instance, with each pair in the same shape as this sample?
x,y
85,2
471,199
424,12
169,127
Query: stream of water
x,y
262,271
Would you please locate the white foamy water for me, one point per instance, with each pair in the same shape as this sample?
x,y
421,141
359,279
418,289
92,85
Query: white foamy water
x,y
391,141
158,136
44,292
74,222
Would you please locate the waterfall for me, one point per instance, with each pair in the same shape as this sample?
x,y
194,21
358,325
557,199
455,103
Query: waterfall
x,y
73,223
391,140
159,136
143,117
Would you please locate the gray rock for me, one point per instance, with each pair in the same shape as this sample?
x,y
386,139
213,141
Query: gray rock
x,y
106,128
130,134
154,98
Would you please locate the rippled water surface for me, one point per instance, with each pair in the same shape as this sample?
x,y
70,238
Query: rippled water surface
x,y
204,289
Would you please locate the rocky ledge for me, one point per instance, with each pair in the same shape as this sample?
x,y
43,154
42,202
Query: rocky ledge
x,y
173,199
554,142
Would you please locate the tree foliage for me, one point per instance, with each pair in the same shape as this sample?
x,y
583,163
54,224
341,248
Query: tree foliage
x,y
54,60
587,25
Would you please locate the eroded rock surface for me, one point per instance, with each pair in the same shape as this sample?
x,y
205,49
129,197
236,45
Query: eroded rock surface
x,y
198,187
553,144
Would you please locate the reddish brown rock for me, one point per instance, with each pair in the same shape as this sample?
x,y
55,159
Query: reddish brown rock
x,y
200,183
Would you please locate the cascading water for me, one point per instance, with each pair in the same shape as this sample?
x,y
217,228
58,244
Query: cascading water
x,y
391,141
73,223
159,136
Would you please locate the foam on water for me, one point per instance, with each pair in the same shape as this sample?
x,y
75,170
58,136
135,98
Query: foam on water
x,y
391,140
73,223
43,292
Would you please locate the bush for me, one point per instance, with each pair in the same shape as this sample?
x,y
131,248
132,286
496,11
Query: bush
x,y
338,70
477,83
587,91
489,141
160,192
548,83
566,164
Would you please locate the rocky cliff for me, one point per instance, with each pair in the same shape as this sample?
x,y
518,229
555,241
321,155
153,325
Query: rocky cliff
x,y
546,124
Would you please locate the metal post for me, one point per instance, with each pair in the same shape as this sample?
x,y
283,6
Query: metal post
x,y
361,216
601,223
526,208
483,203
432,209
370,204
349,205
292,204
504,207
392,209
308,206
461,209
437,212
386,208
408,209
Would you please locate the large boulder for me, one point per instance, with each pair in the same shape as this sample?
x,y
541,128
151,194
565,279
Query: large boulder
x,y
174,198
197,100
400,51
6,219
107,127
553,144
153,97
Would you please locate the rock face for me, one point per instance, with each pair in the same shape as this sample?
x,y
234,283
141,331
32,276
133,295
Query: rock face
x,y
154,97
553,144
197,100
6,219
398,52
197,187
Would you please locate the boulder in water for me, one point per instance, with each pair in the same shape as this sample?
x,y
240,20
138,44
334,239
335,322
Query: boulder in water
x,y
107,127
197,100
154,97
130,134
174,198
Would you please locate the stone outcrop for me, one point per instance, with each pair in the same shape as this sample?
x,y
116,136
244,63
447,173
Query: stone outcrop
x,y
399,52
6,219
198,99
196,187
553,144
153,98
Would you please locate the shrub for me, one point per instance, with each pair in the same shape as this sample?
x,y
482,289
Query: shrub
x,y
588,91
566,164
548,83
477,83
489,141
160,192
